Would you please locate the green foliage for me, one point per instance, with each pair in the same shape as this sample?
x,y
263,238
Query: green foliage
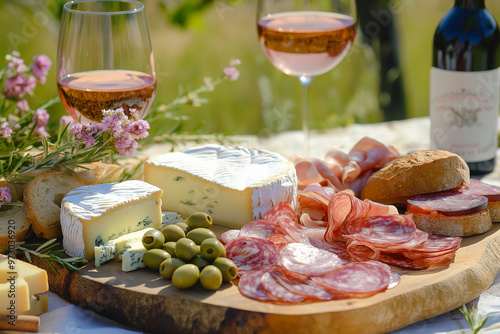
x,y
473,318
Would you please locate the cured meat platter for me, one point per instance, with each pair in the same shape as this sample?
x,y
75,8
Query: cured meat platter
x,y
143,300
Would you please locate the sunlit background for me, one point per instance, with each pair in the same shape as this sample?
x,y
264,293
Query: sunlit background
x,y
201,42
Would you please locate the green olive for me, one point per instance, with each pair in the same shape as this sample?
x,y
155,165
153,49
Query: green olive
x,y
185,276
211,277
173,233
199,261
154,257
199,219
199,234
227,267
168,267
185,249
212,248
184,226
170,248
153,239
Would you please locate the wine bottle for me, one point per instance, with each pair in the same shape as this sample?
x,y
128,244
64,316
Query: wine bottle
x,y
465,85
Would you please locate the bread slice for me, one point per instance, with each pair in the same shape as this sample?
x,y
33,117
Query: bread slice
x,y
456,226
420,172
43,196
14,218
494,208
15,189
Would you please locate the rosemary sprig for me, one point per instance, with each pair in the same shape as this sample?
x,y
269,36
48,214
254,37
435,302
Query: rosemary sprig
x,y
475,320
49,253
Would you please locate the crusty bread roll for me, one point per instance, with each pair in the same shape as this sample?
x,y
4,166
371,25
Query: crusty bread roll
x,y
457,226
416,173
14,218
43,196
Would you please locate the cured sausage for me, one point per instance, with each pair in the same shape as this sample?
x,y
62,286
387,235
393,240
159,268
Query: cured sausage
x,y
308,260
448,203
261,229
282,210
229,235
278,291
250,285
302,287
250,254
356,279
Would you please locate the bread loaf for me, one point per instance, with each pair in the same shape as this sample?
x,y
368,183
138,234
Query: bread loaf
x,y
416,173
15,220
43,196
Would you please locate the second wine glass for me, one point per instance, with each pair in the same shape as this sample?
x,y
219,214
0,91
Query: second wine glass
x,y
105,59
305,38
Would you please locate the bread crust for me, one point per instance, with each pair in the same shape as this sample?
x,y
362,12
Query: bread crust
x,y
494,208
42,198
456,226
14,216
420,172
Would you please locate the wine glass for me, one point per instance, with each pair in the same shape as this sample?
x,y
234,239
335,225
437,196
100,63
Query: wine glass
x,y
105,59
305,38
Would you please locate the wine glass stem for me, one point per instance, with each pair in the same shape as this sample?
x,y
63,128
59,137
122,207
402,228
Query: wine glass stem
x,y
305,81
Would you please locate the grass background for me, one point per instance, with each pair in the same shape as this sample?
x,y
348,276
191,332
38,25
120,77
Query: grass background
x,y
263,100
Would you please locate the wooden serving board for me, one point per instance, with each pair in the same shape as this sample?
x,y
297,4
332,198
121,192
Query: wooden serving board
x,y
143,300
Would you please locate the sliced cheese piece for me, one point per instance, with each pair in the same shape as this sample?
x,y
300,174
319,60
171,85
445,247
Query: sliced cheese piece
x,y
235,185
19,280
94,214
38,304
132,258
114,249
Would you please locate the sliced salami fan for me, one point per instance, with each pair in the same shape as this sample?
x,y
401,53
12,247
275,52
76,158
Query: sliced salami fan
x,y
281,211
336,247
308,260
250,254
250,286
356,279
229,235
362,251
278,239
418,240
447,203
278,291
303,287
435,245
384,229
261,229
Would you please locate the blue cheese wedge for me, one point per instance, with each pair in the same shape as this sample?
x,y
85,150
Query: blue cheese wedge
x,y
95,214
169,218
132,258
235,185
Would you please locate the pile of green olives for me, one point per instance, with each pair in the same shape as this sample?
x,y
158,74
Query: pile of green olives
x,y
189,252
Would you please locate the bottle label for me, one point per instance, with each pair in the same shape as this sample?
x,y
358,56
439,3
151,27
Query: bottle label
x,y
464,112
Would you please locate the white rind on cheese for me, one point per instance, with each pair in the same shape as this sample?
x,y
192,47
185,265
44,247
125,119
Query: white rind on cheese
x,y
94,214
233,184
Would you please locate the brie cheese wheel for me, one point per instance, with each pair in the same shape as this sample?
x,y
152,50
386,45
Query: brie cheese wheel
x,y
234,185
94,214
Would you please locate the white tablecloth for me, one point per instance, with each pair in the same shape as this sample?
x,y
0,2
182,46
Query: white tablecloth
x,y
406,135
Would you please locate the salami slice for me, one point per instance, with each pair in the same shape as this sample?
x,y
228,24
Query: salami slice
x,y
336,247
308,260
250,254
362,251
418,240
273,288
229,235
490,191
282,210
261,229
384,230
250,285
278,239
356,280
436,243
447,203
303,287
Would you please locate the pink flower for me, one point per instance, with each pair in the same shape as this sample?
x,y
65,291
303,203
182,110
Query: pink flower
x,y
138,128
22,106
85,132
114,121
4,196
5,130
41,118
126,146
19,86
232,73
235,62
40,67
15,64
65,120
